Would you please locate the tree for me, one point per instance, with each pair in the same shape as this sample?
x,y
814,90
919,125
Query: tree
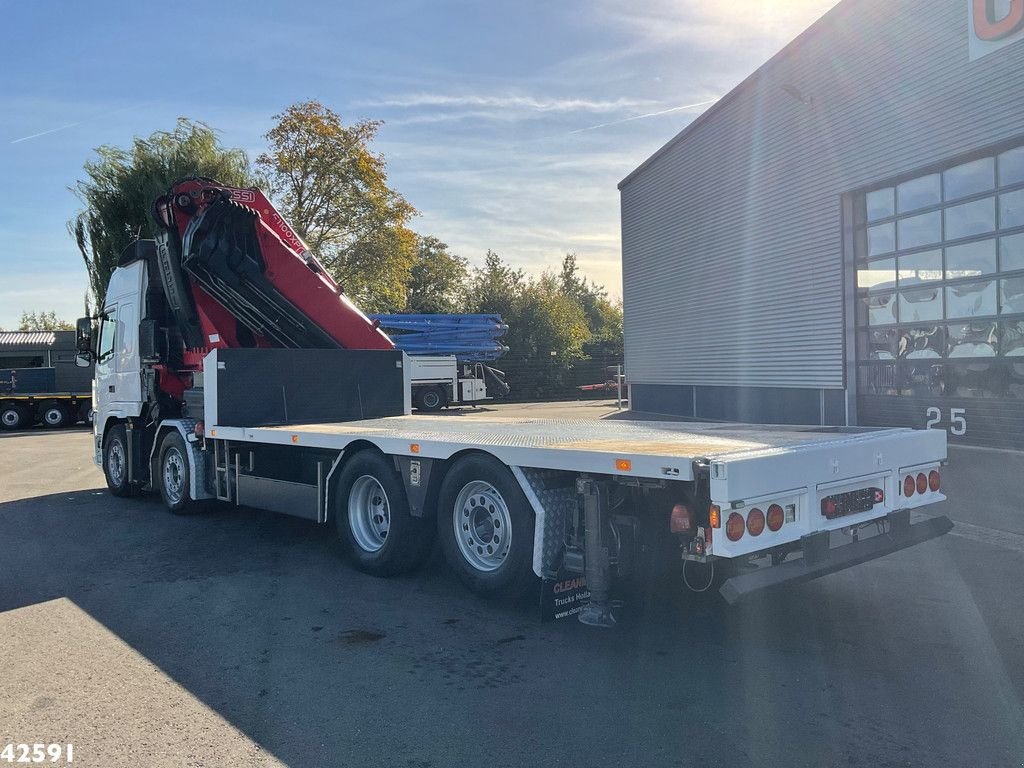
x,y
43,321
333,190
496,287
543,321
121,185
604,317
437,280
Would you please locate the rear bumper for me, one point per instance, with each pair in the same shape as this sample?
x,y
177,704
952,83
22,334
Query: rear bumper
x,y
820,560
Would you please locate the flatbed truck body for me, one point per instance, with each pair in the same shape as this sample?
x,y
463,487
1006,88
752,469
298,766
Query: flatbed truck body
x,y
326,434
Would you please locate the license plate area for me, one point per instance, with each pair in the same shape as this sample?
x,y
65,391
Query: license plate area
x,y
851,502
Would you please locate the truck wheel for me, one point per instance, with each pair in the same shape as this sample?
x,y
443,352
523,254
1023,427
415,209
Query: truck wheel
x,y
486,527
13,416
115,461
53,415
174,475
373,519
431,399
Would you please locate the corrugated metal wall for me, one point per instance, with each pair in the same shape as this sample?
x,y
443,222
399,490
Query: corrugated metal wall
x,y
731,235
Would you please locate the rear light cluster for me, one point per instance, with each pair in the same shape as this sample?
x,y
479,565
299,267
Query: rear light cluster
x,y
755,521
851,502
922,483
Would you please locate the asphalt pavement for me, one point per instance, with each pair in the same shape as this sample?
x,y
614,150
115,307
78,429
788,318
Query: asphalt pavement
x,y
239,637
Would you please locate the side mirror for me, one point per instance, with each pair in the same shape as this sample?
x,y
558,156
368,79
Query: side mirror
x,y
83,334
83,359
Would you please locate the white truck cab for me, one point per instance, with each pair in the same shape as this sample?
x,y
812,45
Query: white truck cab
x,y
117,385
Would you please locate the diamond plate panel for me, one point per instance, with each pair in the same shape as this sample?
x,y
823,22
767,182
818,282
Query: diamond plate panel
x,y
557,495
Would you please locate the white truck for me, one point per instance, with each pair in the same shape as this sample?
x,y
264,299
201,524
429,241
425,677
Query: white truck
x,y
199,396
438,381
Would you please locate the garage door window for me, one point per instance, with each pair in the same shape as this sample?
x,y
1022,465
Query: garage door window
x,y
940,282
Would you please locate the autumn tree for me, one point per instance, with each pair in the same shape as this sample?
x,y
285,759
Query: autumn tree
x,y
43,321
334,191
120,186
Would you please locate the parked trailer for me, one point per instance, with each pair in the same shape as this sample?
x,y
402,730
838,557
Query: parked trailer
x,y
39,382
231,367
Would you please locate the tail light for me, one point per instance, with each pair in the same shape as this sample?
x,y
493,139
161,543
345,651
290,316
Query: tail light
x,y
775,517
908,486
829,508
755,522
681,520
934,481
734,526
922,482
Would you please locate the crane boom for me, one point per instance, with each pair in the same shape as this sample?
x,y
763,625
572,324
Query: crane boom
x,y
235,274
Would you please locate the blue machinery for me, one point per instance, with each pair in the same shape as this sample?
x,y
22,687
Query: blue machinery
x,y
468,337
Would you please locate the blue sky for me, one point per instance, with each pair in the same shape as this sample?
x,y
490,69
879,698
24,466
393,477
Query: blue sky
x,y
507,125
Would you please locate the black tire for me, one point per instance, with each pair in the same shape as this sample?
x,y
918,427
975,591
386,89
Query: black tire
x,y
503,563
175,476
54,415
13,416
430,399
115,461
371,514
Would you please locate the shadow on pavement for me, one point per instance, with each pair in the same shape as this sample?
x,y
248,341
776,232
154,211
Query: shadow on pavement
x,y
259,617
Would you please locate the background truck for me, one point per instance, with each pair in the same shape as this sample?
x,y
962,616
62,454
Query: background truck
x,y
450,356
39,381
229,366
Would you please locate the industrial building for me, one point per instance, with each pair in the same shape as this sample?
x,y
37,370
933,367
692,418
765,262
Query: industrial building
x,y
840,239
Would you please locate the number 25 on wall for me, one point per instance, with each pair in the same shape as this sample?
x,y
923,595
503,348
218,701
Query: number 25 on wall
x,y
957,420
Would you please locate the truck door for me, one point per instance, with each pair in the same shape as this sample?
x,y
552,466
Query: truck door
x,y
106,364
128,392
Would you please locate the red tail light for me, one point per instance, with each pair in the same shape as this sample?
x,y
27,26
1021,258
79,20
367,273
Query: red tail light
x,y
934,481
775,517
682,520
922,482
829,508
908,486
755,522
734,526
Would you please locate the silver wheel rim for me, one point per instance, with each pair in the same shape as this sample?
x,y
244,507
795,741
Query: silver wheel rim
x,y
11,418
483,526
174,475
53,416
369,513
116,462
431,399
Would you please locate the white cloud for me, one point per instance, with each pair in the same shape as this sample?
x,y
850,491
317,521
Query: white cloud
x,y
506,102
659,113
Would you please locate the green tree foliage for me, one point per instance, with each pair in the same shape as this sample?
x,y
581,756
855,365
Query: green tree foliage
x,y
43,321
437,280
334,191
121,185
604,317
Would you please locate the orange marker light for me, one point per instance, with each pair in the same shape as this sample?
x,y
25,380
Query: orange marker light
x,y
295,438
414,447
715,516
623,465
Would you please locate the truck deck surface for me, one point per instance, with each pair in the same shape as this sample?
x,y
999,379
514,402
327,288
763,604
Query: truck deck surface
x,y
524,440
